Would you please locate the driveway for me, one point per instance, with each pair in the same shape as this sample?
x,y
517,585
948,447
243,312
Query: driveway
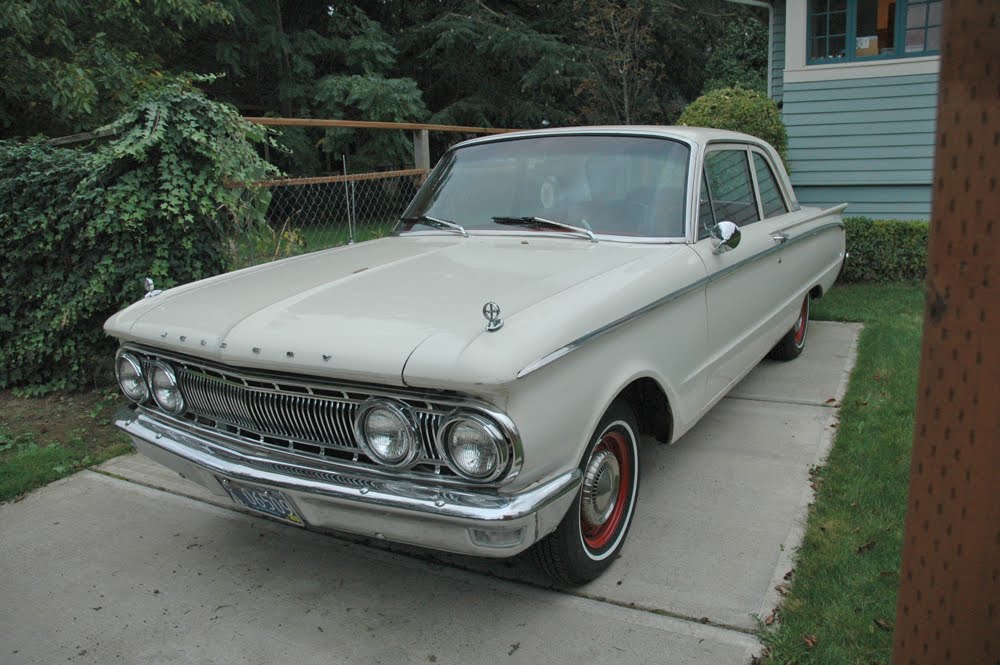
x,y
130,563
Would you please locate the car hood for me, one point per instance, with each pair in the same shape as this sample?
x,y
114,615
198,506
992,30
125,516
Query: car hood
x,y
401,310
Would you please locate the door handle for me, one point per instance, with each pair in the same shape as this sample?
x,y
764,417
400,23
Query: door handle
x,y
779,238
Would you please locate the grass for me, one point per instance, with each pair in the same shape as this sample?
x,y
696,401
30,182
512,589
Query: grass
x,y
841,598
322,238
267,243
46,438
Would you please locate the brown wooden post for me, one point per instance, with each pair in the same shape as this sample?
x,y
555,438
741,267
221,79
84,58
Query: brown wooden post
x,y
949,597
421,149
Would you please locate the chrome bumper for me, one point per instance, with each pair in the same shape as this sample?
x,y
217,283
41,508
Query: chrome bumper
x,y
454,520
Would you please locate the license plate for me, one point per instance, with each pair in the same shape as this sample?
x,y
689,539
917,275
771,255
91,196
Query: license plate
x,y
267,501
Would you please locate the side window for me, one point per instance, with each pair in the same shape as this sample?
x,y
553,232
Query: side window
x,y
731,188
770,195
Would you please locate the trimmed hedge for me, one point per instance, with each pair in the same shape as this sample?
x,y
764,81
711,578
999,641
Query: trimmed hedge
x,y
739,110
81,229
885,250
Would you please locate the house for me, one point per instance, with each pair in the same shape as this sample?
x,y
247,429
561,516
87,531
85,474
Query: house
x,y
857,83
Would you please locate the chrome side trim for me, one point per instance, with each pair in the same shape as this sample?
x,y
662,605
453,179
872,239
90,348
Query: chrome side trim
x,y
704,281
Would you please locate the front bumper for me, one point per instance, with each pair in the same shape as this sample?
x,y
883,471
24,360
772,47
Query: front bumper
x,y
454,520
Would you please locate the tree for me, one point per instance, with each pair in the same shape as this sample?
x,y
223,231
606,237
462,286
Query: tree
x,y
492,65
307,60
69,65
622,70
740,57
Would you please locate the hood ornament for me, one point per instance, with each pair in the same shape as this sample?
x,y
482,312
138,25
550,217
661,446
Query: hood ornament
x,y
491,311
150,288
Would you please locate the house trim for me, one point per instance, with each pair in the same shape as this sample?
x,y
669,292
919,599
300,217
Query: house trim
x,y
797,71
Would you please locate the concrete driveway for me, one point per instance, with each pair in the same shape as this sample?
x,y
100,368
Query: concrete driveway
x,y
132,564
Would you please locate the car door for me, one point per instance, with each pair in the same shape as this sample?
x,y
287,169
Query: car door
x,y
747,289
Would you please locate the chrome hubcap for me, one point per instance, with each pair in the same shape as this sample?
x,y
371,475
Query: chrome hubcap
x,y
600,488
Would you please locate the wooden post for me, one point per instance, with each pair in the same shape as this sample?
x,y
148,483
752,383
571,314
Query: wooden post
x,y
421,149
948,610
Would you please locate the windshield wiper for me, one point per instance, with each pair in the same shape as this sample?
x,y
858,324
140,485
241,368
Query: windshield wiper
x,y
541,221
439,223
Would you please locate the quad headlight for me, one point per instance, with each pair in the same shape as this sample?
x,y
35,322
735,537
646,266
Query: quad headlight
x,y
131,380
386,433
166,392
474,446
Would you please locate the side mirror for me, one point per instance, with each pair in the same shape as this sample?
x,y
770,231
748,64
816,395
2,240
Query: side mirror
x,y
725,236
151,290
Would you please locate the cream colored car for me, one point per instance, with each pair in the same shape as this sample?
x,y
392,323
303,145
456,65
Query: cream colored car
x,y
481,381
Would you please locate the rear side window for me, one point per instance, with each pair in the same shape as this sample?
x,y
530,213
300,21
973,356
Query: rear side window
x,y
730,186
770,195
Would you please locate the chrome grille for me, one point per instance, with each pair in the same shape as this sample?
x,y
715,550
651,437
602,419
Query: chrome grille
x,y
308,421
309,418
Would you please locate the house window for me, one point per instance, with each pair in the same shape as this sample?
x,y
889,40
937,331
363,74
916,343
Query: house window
x,y
850,30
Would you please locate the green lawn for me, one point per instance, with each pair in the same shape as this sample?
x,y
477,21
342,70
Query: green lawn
x,y
841,598
45,438
321,238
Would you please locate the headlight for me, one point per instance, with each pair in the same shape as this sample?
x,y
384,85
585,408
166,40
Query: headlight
x,y
386,433
128,369
165,390
474,446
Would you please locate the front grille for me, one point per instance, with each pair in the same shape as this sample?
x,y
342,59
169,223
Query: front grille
x,y
310,421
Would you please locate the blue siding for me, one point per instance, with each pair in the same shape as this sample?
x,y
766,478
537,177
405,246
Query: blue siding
x,y
778,50
869,142
879,201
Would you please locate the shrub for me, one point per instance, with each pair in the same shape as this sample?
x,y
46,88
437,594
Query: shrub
x,y
739,110
885,250
79,230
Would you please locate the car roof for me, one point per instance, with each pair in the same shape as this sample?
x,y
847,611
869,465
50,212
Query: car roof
x,y
695,135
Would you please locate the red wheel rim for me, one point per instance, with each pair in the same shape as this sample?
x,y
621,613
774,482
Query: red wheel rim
x,y
800,325
598,536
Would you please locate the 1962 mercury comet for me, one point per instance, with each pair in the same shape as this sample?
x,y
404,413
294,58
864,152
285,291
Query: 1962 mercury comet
x,y
479,382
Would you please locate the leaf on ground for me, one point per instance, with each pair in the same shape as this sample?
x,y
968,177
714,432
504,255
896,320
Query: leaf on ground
x,y
783,589
809,639
788,575
771,617
830,401
883,624
867,547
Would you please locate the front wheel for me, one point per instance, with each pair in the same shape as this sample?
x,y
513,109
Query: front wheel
x,y
791,345
592,533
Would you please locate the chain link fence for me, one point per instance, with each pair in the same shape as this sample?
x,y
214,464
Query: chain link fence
x,y
313,213
308,214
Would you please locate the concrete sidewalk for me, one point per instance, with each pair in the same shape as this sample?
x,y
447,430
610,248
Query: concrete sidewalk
x,y
134,564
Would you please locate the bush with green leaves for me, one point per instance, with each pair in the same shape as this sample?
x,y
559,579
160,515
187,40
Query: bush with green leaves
x,y
80,229
739,110
885,250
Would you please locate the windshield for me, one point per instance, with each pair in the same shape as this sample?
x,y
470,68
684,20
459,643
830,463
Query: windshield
x,y
612,185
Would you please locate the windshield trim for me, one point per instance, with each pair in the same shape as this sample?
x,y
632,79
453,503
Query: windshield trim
x,y
647,240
